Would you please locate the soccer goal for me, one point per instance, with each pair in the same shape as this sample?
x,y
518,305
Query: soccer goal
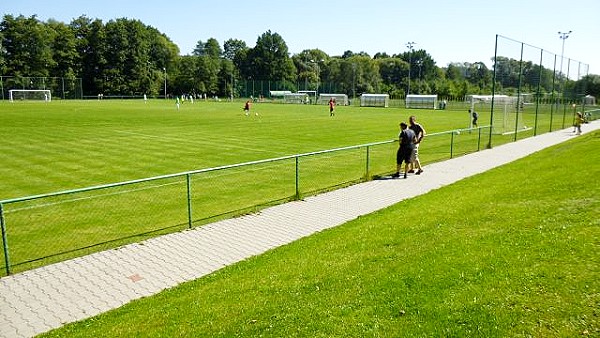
x,y
340,99
30,94
421,101
297,98
508,117
374,100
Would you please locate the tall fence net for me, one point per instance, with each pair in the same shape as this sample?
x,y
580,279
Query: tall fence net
x,y
535,91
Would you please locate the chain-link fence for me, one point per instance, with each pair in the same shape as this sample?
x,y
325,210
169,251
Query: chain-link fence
x,y
535,91
60,87
42,229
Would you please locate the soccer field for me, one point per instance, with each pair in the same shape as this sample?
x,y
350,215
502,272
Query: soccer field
x,y
74,144
66,145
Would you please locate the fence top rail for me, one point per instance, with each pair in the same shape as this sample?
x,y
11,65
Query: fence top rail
x,y
199,171
191,172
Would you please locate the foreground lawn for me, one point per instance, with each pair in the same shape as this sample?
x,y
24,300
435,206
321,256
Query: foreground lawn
x,y
511,252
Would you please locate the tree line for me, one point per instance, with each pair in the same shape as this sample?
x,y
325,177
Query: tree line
x,y
126,57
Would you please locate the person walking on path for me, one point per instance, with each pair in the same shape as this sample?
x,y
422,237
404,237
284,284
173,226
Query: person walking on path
x,y
578,122
419,134
407,141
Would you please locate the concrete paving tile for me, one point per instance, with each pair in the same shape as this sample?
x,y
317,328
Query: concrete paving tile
x,y
9,331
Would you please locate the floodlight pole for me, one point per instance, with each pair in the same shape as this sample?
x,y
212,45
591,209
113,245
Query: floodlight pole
x,y
353,81
420,64
318,77
563,36
410,48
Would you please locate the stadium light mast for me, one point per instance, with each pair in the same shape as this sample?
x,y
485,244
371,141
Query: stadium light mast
x,y
563,36
318,76
409,45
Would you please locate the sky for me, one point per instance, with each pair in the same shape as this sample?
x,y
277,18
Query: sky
x,y
449,31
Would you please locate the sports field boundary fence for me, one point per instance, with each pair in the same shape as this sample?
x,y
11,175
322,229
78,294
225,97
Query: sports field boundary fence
x,y
545,86
42,229
60,87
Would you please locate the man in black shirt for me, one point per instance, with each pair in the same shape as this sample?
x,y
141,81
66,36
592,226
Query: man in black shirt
x,y
407,141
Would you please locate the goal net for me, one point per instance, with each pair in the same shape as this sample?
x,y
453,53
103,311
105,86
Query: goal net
x,y
340,99
30,94
298,98
508,115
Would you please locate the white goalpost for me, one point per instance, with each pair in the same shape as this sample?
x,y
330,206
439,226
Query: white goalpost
x,y
30,94
507,116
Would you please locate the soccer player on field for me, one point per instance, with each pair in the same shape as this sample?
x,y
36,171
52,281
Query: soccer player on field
x,y
331,106
247,108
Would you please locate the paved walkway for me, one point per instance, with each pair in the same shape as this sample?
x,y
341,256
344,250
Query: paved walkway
x,y
39,300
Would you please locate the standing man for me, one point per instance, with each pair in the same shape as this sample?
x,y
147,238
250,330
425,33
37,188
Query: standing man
x,y
419,134
407,141
331,106
475,117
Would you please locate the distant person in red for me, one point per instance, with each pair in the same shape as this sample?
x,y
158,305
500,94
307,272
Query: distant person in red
x,y
247,108
331,106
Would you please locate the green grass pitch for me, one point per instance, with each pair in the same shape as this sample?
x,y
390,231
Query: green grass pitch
x,y
75,144
65,145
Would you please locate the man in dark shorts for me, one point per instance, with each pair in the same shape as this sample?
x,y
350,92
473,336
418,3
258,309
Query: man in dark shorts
x,y
475,117
407,141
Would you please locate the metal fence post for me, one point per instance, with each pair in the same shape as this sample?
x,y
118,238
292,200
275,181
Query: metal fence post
x,y
297,177
452,142
479,138
367,164
538,93
4,240
189,198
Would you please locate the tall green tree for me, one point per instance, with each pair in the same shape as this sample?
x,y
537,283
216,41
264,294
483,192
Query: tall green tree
x,y
479,75
270,59
90,43
163,57
232,48
64,52
393,72
26,46
310,65
2,54
210,48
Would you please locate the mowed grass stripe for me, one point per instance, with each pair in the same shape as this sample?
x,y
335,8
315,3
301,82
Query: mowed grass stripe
x,y
73,144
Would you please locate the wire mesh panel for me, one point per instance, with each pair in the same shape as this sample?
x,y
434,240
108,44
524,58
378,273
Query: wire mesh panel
x,y
241,189
320,171
535,91
382,158
53,228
